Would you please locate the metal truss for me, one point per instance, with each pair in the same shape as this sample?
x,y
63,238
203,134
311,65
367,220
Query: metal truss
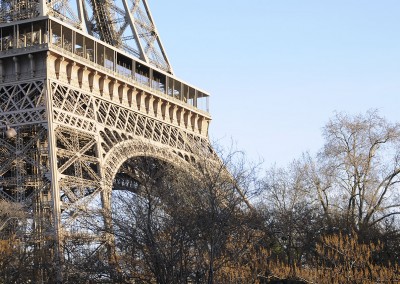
x,y
25,162
14,10
76,108
126,24
84,113
95,137
23,104
90,139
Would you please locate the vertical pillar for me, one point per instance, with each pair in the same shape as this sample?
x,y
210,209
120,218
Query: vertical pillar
x,y
83,78
172,113
130,97
113,90
179,116
42,8
151,78
94,81
166,84
16,66
1,71
140,105
81,15
72,74
109,236
165,111
53,177
123,91
149,100
157,107
106,185
31,64
193,122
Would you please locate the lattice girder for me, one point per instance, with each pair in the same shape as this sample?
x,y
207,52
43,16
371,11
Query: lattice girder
x,y
82,108
89,160
126,24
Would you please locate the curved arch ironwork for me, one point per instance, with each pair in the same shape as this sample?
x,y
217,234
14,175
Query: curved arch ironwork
x,y
128,149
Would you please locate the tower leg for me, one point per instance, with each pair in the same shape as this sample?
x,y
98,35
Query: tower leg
x,y
55,191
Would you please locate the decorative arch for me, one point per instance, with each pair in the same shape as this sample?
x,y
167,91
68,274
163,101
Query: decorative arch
x,y
128,149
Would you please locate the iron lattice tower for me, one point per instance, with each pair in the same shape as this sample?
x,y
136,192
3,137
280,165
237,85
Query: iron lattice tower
x,y
87,85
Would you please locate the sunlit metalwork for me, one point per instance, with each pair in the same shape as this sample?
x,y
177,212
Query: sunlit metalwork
x,y
85,91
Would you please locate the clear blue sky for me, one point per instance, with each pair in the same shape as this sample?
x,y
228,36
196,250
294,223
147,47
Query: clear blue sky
x,y
278,70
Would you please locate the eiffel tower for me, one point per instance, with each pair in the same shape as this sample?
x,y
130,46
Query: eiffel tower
x,y
87,86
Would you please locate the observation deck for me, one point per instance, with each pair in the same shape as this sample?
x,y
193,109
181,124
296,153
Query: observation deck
x,y
48,33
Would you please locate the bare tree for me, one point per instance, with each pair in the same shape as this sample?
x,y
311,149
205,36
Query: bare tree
x,y
351,186
356,175
222,212
291,215
175,225
16,259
